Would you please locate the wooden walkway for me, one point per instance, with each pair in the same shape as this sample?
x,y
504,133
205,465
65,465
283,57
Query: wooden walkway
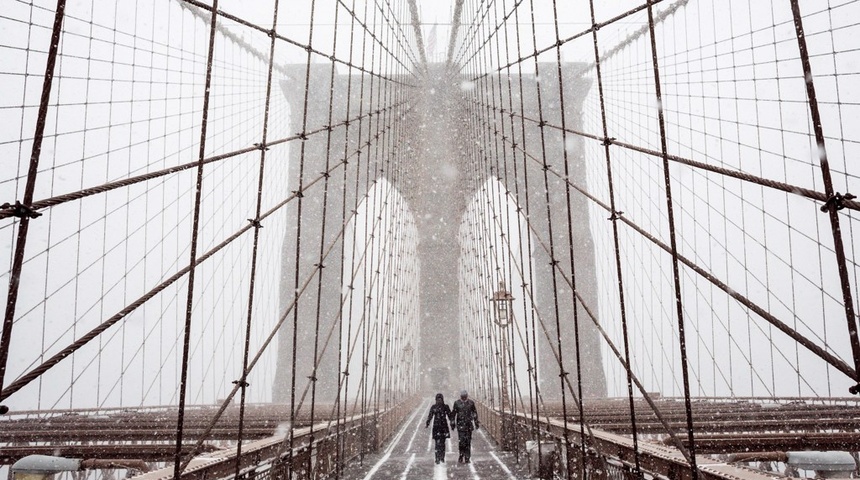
x,y
410,456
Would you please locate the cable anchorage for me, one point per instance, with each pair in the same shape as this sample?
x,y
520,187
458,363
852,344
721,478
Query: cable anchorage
x,y
20,210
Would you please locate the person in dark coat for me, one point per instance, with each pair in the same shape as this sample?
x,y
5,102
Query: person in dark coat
x,y
462,417
439,414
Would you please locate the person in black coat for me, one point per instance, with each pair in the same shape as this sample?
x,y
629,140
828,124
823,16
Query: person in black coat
x,y
462,416
439,414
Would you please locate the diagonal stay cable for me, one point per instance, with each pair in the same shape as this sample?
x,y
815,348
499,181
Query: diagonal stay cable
x,y
195,231
67,197
261,350
609,341
36,372
743,300
739,175
597,26
307,48
24,210
242,382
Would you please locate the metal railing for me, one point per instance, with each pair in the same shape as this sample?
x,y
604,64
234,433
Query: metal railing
x,y
319,451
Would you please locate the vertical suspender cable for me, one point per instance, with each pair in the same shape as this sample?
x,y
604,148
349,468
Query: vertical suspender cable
x,y
322,247
344,391
834,201
298,257
195,228
553,262
614,219
682,339
535,407
570,252
362,378
243,380
504,179
24,209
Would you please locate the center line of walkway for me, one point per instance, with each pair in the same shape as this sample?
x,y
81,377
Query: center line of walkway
x,y
474,472
417,428
391,446
408,467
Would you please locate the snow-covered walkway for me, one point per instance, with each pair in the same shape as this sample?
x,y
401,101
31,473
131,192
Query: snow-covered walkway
x,y
409,455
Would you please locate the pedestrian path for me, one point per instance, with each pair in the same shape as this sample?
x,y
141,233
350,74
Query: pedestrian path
x,y
409,455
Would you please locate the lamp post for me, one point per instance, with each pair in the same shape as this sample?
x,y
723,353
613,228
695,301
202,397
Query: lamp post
x,y
503,302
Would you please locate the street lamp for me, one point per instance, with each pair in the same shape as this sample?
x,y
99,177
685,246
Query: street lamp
x,y
503,302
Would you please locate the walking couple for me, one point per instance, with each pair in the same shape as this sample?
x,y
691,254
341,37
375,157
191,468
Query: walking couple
x,y
461,417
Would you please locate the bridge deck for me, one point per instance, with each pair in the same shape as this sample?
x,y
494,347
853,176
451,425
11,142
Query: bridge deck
x,y
410,455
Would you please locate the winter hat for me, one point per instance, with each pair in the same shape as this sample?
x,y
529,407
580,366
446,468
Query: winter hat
x,y
439,396
464,393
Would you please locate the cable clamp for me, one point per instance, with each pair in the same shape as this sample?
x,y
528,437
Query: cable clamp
x,y
298,193
854,389
255,223
303,136
616,215
262,147
608,141
312,378
837,201
320,265
241,383
20,210
563,374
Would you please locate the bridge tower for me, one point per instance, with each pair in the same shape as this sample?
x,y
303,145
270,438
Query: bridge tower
x,y
436,182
